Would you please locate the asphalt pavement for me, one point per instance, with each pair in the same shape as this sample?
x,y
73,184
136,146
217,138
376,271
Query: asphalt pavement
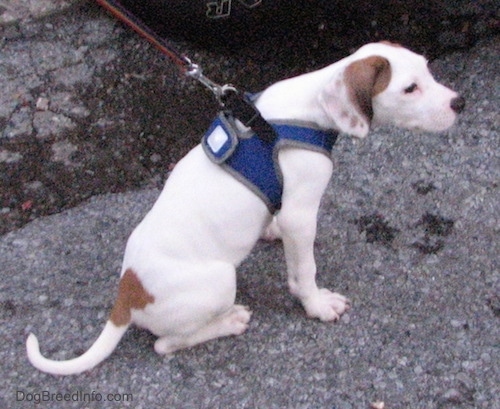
x,y
408,230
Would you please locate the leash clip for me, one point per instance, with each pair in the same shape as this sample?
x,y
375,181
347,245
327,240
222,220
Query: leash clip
x,y
195,71
238,105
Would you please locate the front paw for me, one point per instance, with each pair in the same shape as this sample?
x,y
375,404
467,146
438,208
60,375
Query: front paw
x,y
325,305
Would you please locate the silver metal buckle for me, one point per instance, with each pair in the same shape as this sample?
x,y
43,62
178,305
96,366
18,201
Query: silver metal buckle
x,y
195,71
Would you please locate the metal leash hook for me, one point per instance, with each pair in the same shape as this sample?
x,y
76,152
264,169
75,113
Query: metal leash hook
x,y
194,71
236,104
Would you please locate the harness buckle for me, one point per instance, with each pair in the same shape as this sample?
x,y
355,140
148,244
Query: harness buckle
x,y
244,110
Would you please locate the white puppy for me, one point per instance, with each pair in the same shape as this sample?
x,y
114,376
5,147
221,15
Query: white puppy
x,y
178,278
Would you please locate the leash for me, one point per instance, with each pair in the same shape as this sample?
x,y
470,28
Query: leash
x,y
233,102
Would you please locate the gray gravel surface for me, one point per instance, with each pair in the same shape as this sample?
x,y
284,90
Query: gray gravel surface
x,y
408,231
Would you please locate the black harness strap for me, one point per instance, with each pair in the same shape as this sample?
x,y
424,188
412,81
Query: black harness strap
x,y
241,107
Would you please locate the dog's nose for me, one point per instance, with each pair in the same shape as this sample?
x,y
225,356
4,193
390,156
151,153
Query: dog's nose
x,y
457,104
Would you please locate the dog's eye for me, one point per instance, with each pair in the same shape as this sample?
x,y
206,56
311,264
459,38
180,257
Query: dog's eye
x,y
411,88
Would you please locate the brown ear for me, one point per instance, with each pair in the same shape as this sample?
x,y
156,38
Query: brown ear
x,y
347,98
364,79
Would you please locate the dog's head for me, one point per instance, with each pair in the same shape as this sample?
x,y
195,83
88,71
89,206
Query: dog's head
x,y
383,83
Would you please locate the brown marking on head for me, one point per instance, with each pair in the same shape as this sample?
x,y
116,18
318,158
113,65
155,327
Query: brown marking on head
x,y
131,294
365,79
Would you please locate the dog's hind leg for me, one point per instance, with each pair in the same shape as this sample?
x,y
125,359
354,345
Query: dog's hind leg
x,y
232,322
201,308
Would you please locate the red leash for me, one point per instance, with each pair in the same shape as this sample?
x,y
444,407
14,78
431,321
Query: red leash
x,y
232,102
122,14
183,62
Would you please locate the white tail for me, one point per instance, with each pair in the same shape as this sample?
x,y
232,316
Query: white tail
x,y
98,352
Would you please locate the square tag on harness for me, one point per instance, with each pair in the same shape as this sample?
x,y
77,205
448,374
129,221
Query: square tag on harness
x,y
221,139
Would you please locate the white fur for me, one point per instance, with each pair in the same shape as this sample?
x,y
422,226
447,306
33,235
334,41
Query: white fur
x,y
205,222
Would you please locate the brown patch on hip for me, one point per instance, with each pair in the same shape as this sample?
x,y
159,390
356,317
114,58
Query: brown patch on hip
x,y
131,294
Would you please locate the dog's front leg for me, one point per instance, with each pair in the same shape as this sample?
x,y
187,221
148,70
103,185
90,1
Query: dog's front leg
x,y
298,232
306,175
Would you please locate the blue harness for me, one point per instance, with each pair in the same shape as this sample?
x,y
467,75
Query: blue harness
x,y
254,162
